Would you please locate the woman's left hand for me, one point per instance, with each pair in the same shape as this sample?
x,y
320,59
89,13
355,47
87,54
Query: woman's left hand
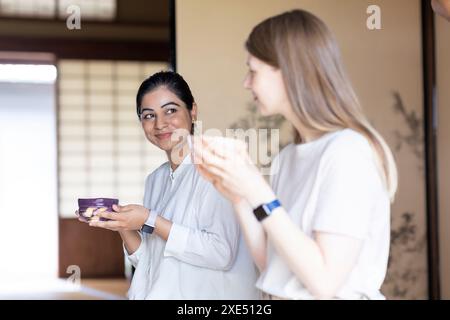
x,y
124,218
227,165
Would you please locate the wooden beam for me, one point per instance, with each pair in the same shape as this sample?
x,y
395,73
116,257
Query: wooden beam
x,y
430,128
13,57
89,49
173,34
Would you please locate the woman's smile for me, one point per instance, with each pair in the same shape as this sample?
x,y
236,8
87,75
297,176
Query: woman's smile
x,y
164,136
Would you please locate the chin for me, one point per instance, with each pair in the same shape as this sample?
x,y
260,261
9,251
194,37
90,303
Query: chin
x,y
165,146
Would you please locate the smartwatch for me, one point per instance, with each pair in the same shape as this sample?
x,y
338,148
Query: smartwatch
x,y
149,224
263,211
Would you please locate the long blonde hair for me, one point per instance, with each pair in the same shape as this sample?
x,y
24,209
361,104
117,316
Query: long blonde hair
x,y
320,92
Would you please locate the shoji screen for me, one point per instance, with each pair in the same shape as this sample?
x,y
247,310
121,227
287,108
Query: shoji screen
x,y
91,9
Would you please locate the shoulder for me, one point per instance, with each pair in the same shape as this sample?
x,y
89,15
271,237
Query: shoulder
x,y
286,152
157,173
349,154
348,144
203,187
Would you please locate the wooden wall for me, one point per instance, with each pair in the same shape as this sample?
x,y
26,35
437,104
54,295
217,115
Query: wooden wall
x,y
96,251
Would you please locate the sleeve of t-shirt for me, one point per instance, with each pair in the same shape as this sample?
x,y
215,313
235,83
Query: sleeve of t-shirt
x,y
275,169
348,185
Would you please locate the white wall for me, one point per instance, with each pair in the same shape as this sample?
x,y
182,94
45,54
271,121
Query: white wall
x,y
28,182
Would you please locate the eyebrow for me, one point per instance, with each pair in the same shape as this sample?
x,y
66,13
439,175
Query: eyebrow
x,y
164,105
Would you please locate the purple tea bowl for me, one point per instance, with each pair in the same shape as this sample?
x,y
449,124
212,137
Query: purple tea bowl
x,y
89,208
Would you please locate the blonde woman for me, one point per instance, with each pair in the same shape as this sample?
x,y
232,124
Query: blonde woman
x,y
321,229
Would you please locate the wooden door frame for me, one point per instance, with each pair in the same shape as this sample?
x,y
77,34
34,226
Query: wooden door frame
x,y
430,133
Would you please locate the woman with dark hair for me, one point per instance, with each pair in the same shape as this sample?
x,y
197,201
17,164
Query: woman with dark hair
x,y
184,241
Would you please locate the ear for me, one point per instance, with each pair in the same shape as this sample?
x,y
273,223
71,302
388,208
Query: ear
x,y
194,112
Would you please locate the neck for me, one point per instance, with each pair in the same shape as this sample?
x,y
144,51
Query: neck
x,y
177,154
307,135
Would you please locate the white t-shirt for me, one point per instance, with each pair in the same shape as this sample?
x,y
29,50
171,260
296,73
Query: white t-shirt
x,y
205,256
332,185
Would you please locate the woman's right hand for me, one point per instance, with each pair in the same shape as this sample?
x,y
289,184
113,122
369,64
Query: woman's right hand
x,y
227,165
131,239
124,218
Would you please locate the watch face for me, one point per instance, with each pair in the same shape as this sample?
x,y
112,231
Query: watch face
x,y
147,229
260,213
